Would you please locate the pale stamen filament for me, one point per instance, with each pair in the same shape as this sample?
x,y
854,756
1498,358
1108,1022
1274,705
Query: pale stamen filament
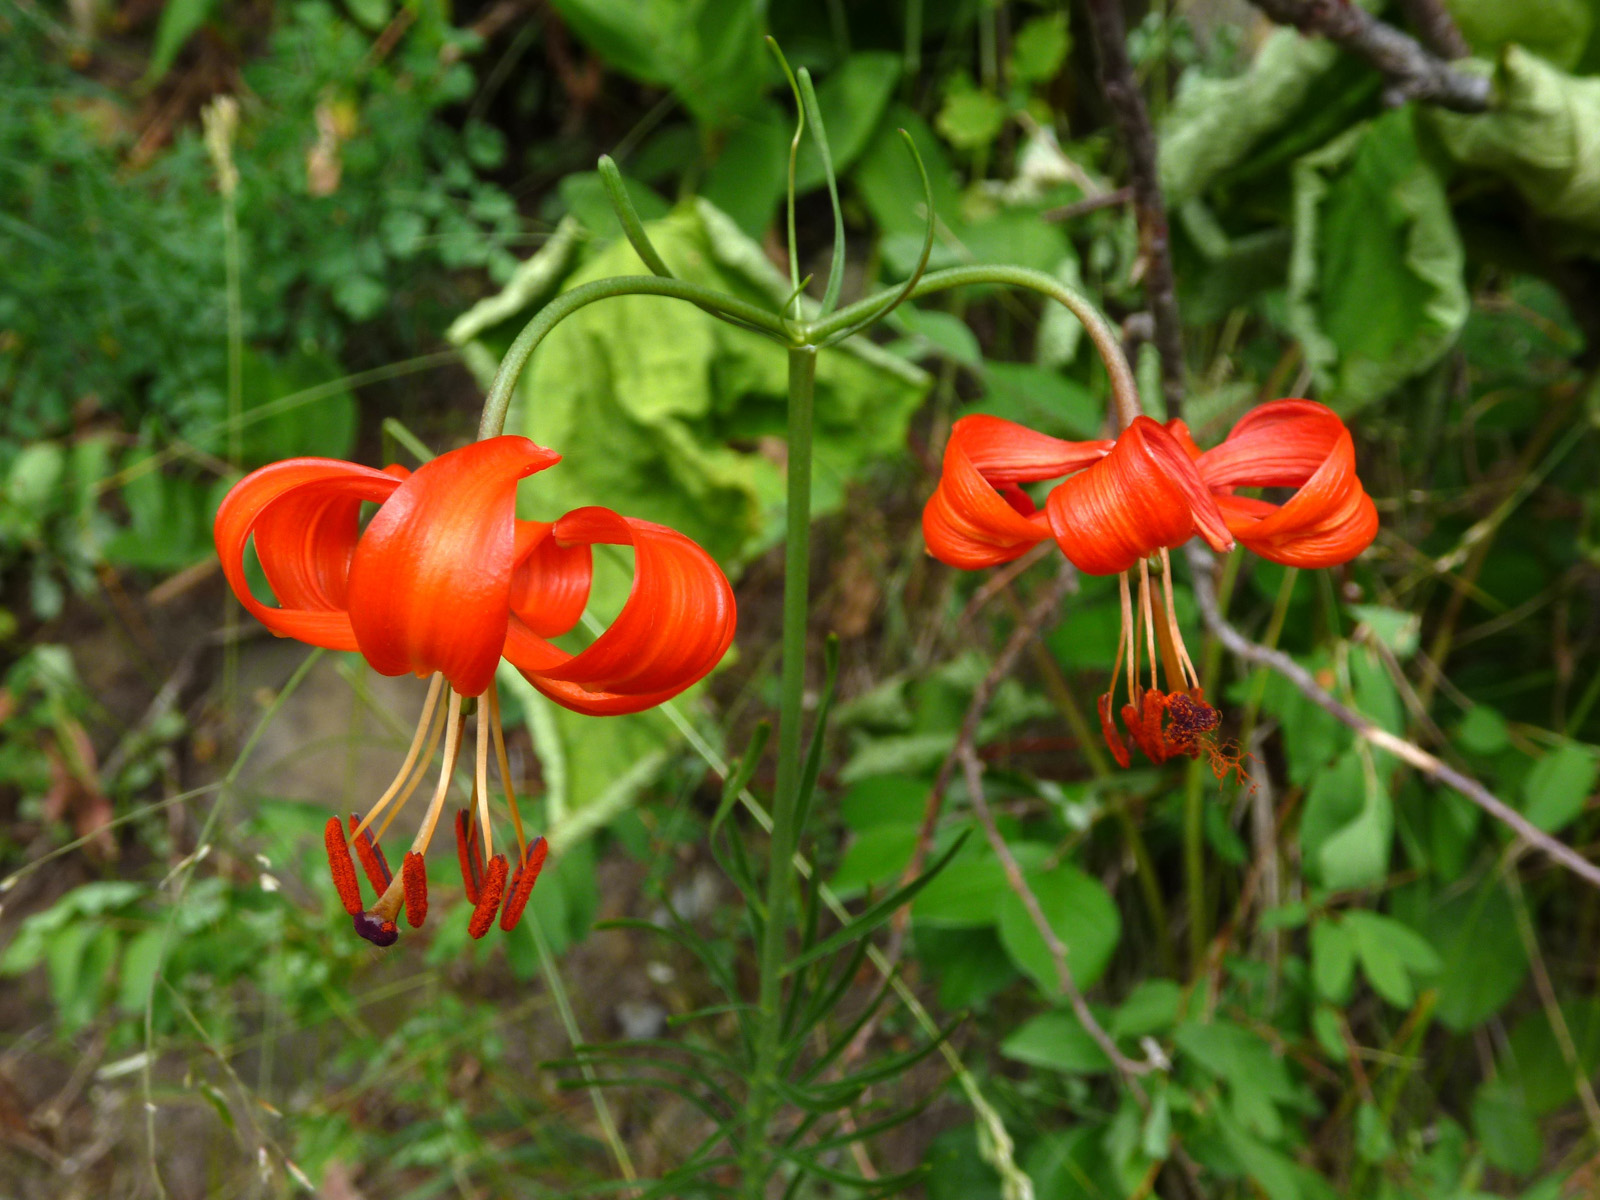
x,y
480,780
504,763
389,903
424,724
417,776
1125,642
1148,620
1192,676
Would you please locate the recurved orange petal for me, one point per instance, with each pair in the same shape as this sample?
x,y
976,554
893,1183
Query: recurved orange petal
x,y
1300,444
430,580
677,624
302,513
1145,494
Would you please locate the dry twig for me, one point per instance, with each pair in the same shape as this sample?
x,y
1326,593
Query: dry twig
x,y
1413,73
1139,141
1126,1067
1200,562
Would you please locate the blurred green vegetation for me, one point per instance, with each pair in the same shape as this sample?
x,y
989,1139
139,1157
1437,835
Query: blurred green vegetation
x,y
1351,982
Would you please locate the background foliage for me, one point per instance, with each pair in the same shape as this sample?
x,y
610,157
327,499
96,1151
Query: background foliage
x,y
1350,982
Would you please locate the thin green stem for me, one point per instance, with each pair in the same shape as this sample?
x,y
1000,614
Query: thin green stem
x,y
1124,390
563,306
785,831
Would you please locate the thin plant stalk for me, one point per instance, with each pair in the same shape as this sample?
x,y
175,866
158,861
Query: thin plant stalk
x,y
785,829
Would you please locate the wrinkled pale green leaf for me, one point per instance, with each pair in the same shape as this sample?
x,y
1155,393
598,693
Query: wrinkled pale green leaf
x,y
1215,123
1542,135
1376,292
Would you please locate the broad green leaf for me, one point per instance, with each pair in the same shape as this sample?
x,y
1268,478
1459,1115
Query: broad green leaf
x,y
1330,1036
1394,628
1506,1129
1376,292
969,891
1536,1062
140,958
1041,399
875,857
1542,135
1554,792
1083,916
1070,1164
1257,1079
947,333
970,964
1374,1143
956,1170
324,425
751,174
1483,963
708,52
1556,30
1059,1042
884,800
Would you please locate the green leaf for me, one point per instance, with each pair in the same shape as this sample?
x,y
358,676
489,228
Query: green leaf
x,y
179,21
1333,960
874,858
1555,791
1330,1036
884,800
1083,916
945,332
1257,1079
1376,292
1348,826
1536,1062
1390,954
1483,730
1556,30
970,964
1509,1134
751,175
1482,960
853,98
1039,48
708,52
1059,1042
140,958
1151,1007
970,119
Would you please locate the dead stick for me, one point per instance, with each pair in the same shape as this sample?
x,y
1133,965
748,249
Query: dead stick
x,y
1200,562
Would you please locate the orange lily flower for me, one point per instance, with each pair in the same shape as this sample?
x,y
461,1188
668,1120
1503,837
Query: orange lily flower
x,y
443,582
1123,503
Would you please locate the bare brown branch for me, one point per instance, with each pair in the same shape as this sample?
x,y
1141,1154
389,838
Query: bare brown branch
x,y
1413,73
1436,27
1139,141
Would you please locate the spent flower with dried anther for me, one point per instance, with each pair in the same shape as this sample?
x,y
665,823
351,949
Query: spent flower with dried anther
x,y
1122,505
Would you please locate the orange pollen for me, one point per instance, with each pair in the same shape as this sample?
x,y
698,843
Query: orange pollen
x,y
414,876
341,867
522,883
371,856
494,887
